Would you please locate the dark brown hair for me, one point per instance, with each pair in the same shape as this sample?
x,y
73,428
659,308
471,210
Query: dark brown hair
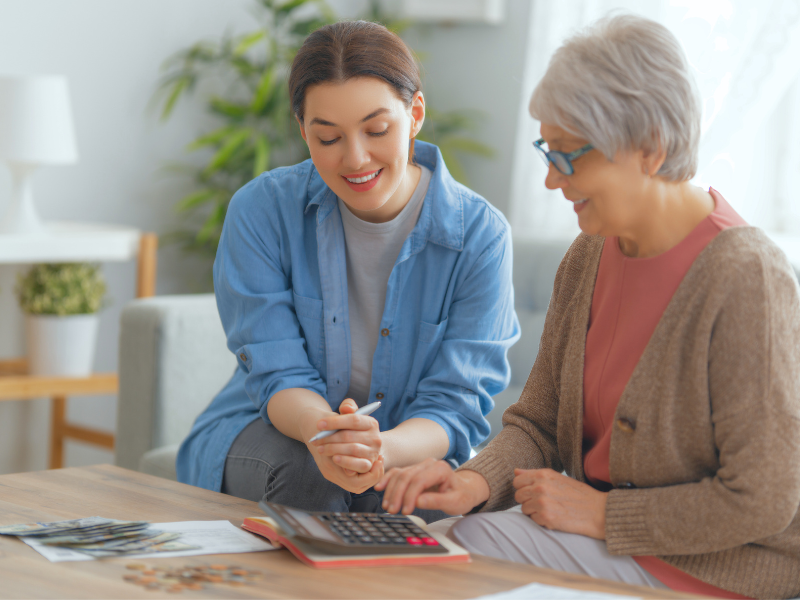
x,y
348,49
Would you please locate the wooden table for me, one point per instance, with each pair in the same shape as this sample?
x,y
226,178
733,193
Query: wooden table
x,y
114,492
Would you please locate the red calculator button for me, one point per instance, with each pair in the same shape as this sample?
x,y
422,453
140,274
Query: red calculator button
x,y
429,541
414,541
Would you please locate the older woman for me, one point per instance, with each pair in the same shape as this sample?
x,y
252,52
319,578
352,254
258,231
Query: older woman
x,y
667,385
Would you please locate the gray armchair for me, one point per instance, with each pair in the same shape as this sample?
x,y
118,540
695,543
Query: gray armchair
x,y
173,360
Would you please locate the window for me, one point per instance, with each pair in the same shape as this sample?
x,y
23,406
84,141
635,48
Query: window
x,y
744,57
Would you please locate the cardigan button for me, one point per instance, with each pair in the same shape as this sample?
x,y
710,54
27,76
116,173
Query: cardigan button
x,y
626,425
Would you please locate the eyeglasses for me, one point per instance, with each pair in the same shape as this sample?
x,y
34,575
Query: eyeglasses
x,y
560,160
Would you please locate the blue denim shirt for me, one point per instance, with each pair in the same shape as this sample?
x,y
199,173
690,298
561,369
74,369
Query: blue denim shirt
x,y
280,279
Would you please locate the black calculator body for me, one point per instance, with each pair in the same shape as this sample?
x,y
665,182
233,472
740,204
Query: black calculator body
x,y
354,533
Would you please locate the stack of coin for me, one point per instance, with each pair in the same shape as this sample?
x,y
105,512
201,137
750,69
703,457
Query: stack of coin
x,y
188,577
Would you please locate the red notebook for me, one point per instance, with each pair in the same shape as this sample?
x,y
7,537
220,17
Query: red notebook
x,y
314,557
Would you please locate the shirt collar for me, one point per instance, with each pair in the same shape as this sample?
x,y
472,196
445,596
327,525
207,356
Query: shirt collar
x,y
441,220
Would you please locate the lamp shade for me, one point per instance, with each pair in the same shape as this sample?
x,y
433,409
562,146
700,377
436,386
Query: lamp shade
x,y
36,120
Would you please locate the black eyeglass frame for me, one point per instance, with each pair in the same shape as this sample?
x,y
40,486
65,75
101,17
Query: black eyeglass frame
x,y
556,157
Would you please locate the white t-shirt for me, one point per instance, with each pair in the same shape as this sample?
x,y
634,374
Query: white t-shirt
x,y
372,249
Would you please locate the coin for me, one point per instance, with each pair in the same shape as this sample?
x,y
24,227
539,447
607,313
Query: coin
x,y
136,567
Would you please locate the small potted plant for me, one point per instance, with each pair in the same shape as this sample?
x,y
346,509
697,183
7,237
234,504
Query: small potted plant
x,y
61,302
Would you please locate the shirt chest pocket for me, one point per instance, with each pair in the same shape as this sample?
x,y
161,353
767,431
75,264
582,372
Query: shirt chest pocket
x,y
428,344
309,313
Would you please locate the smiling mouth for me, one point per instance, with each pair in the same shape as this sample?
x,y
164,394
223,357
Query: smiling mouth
x,y
362,177
584,201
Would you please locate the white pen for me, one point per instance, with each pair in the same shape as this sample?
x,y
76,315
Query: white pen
x,y
364,410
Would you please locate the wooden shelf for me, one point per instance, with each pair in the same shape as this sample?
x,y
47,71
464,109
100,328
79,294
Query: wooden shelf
x,y
27,387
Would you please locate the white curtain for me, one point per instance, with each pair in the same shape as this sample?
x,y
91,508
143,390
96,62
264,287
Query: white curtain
x,y
746,59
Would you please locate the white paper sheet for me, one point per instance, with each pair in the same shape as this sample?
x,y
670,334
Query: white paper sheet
x,y
539,591
213,537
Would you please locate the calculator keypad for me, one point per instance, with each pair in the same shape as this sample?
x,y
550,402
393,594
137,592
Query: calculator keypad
x,y
373,529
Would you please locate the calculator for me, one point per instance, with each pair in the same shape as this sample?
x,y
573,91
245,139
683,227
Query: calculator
x,y
354,533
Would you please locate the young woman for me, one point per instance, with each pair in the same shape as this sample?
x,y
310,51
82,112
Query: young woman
x,y
363,274
667,384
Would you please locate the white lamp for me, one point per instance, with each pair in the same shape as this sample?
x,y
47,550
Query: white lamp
x,y
35,129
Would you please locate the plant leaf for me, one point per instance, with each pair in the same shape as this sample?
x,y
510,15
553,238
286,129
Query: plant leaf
x,y
305,27
228,148
195,199
211,138
177,89
289,6
248,41
261,163
213,223
453,165
229,109
264,90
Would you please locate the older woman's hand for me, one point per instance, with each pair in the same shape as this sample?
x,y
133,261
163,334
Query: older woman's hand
x,y
433,485
561,503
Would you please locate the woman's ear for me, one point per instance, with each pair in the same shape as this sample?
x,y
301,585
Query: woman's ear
x,y
302,129
417,114
652,160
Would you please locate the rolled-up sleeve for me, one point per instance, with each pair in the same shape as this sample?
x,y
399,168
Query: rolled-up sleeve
x,y
255,299
471,363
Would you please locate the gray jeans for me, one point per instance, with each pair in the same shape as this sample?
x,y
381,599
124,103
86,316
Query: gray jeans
x,y
265,464
514,536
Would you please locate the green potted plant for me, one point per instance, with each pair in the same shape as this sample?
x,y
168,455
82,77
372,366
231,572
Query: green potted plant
x,y
61,303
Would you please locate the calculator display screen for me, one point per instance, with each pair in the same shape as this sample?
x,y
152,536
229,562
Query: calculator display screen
x,y
310,524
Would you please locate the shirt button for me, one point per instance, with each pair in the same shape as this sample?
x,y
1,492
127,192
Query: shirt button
x,y
384,332
379,396
243,356
626,425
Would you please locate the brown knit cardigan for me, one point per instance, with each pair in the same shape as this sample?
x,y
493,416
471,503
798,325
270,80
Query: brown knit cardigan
x,y
708,476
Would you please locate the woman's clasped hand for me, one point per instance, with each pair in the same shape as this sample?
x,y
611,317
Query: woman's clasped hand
x,y
351,457
553,500
561,503
432,485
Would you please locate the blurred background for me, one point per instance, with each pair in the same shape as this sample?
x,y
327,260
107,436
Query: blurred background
x,y
135,122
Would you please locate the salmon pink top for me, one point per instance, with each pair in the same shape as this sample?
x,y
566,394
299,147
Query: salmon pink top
x,y
630,295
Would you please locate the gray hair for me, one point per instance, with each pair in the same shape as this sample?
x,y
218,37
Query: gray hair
x,y
624,83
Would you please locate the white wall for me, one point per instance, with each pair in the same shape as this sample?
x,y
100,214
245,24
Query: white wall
x,y
111,52
476,66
